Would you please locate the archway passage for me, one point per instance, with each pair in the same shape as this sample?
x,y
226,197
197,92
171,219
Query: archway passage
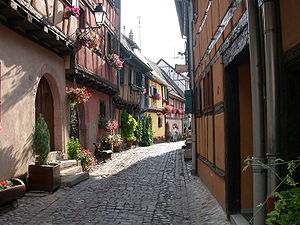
x,y
44,106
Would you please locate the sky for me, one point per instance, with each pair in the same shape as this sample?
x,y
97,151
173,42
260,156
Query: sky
x,y
158,34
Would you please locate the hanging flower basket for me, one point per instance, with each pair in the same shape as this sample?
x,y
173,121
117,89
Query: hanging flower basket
x,y
157,96
78,95
11,190
174,110
115,61
89,39
167,109
71,11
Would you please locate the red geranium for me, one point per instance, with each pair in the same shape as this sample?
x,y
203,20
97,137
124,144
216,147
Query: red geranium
x,y
78,95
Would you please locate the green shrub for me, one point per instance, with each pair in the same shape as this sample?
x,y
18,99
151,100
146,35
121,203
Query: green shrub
x,y
128,126
41,141
138,132
74,148
147,132
287,208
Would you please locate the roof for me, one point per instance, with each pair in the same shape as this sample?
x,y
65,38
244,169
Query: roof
x,y
133,51
157,73
181,9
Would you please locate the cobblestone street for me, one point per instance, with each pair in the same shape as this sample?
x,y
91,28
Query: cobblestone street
x,y
145,185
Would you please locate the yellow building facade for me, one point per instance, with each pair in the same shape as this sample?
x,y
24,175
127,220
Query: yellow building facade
x,y
156,106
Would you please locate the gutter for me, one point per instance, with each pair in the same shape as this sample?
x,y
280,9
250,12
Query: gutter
x,y
272,100
191,73
259,173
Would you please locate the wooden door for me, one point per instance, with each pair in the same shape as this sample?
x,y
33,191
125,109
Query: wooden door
x,y
44,106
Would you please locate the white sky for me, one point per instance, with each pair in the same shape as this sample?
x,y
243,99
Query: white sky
x,y
159,30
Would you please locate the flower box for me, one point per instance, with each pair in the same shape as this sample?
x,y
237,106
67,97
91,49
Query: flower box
x,y
167,109
17,190
71,11
44,177
157,96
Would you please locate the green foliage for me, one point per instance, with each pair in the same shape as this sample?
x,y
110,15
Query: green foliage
x,y
147,132
74,148
128,126
41,141
287,208
138,132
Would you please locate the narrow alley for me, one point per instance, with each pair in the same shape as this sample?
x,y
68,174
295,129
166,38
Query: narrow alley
x,y
145,185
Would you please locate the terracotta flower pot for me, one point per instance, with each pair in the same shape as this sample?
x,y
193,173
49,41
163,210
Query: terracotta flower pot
x,y
129,144
13,193
117,148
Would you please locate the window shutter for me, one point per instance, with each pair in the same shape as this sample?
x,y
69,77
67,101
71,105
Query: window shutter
x,y
122,73
189,103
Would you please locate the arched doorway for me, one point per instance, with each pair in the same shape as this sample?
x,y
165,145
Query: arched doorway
x,y
44,106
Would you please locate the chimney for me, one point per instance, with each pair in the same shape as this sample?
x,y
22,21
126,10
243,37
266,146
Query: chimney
x,y
131,35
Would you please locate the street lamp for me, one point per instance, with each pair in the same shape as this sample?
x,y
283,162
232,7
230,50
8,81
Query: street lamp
x,y
100,14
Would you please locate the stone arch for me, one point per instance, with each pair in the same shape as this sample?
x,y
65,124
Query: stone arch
x,y
51,76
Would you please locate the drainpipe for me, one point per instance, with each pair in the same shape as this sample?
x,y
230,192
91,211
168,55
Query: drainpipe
x,y
191,72
259,175
272,70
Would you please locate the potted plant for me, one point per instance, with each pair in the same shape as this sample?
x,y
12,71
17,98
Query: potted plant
x,y
115,61
89,39
117,142
157,96
128,126
167,109
108,124
11,190
71,11
42,176
87,159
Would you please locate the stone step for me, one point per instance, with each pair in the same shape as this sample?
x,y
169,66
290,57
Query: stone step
x,y
70,181
67,163
70,171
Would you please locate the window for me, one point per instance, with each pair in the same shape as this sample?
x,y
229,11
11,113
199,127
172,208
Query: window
x,y
208,92
136,78
198,92
102,110
111,44
166,94
160,122
82,19
153,91
122,76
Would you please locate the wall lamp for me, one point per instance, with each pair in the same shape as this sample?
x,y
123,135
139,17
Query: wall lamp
x,y
100,16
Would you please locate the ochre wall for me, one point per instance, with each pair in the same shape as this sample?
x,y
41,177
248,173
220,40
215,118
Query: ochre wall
x,y
214,182
158,131
210,122
20,78
290,15
153,102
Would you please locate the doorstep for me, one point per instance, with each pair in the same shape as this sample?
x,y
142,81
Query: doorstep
x,y
238,219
